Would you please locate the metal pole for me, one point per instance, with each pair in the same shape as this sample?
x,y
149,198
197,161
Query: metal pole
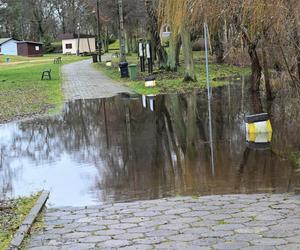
x,y
98,30
78,41
122,34
209,99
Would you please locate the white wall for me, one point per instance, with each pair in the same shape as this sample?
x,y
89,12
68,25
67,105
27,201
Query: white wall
x,y
83,45
9,48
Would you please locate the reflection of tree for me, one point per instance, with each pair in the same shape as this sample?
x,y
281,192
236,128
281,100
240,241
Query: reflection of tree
x,y
143,154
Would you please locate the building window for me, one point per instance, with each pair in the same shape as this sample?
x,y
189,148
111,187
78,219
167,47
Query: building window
x,y
37,48
69,46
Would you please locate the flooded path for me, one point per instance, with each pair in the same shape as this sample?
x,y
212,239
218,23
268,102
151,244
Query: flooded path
x,y
131,148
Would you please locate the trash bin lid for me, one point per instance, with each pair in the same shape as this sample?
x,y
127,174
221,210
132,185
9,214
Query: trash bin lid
x,y
123,64
132,65
150,78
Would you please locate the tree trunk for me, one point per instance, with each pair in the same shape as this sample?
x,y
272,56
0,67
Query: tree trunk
x,y
256,68
266,72
122,33
154,30
218,48
178,48
171,66
188,56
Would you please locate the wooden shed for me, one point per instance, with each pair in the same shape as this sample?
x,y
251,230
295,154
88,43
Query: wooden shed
x,y
29,48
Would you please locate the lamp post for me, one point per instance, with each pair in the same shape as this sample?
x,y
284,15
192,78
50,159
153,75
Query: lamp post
x,y
98,30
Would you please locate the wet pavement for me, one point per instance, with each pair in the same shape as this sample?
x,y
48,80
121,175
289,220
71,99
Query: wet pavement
x,y
260,221
82,81
128,148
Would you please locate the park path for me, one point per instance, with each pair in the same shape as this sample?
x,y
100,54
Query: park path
x,y
259,221
82,81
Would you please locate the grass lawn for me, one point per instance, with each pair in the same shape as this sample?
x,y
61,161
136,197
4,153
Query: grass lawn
x,y
23,93
172,81
12,214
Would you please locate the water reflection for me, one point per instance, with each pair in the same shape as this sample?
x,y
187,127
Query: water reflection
x,y
115,149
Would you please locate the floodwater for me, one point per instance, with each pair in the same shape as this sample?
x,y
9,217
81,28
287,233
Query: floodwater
x,y
130,148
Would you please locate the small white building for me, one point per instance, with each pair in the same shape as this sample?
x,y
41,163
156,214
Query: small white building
x,y
8,46
87,44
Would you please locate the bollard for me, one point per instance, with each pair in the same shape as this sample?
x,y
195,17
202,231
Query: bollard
x,y
258,131
150,81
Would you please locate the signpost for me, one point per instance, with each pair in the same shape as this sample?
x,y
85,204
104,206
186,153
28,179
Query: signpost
x,y
142,55
149,57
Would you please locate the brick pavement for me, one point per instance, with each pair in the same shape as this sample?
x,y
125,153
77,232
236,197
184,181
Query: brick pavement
x,y
261,221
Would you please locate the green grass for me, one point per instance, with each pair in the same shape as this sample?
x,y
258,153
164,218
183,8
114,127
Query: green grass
x,y
12,217
172,81
23,93
115,45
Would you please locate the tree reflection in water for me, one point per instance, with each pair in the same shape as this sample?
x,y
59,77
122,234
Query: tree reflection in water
x,y
140,154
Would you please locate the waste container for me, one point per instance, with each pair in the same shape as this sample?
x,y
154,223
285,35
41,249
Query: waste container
x,y
7,60
133,71
95,58
124,69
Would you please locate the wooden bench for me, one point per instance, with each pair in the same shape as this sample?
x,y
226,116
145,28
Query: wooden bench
x,y
46,73
57,60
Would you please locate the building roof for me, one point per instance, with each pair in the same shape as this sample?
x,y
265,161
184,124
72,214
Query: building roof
x,y
4,40
68,36
30,42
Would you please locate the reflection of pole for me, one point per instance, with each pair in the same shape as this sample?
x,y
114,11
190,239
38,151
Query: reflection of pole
x,y
98,30
105,123
209,100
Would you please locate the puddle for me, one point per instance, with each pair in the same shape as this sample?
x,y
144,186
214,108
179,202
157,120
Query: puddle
x,y
122,149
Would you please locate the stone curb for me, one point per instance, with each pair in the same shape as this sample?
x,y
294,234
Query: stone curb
x,y
29,220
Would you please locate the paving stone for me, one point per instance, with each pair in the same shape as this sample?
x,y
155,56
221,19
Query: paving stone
x,y
244,237
123,226
90,228
231,245
75,235
128,236
295,239
260,248
148,213
292,247
266,222
184,237
269,242
150,240
226,227
217,234
279,233
137,247
116,243
251,230
94,239
79,246
196,214
109,232
174,226
177,211
195,230
162,233
141,229
45,248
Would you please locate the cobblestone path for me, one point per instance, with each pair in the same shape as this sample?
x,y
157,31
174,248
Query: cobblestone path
x,y
82,81
212,222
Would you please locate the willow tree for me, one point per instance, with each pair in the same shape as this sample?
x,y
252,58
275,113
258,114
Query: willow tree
x,y
154,30
253,20
177,14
